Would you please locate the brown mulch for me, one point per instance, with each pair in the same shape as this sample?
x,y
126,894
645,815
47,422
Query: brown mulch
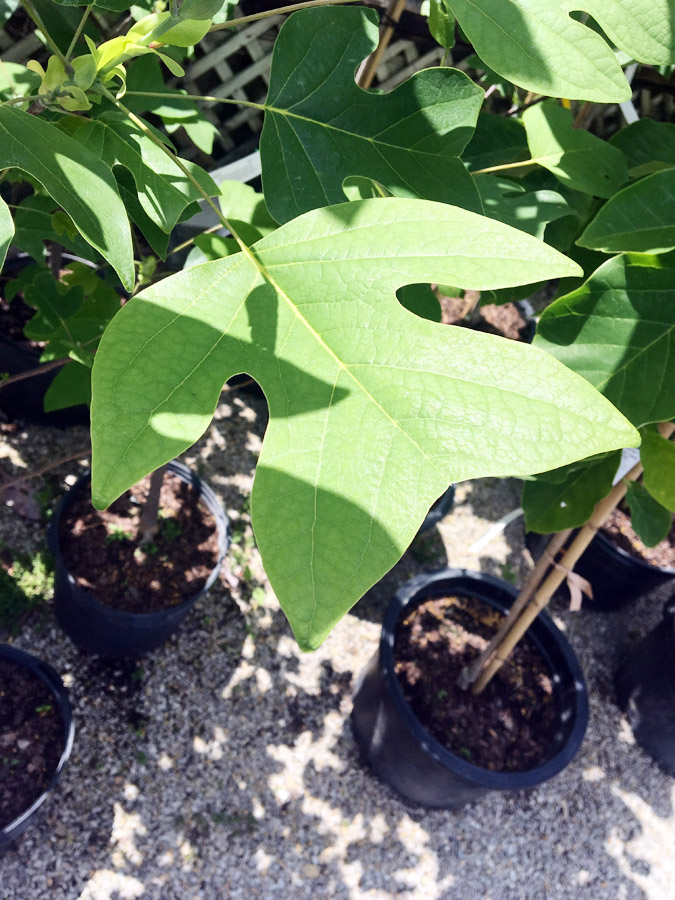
x,y
102,551
620,531
31,739
505,729
504,320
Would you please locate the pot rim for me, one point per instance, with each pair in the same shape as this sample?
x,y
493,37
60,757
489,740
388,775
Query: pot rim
x,y
415,591
222,527
628,557
53,681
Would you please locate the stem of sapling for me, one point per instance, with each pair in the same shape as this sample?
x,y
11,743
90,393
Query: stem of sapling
x,y
148,524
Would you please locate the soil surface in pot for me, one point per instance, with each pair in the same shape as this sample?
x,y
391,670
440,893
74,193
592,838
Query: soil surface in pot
x,y
619,530
100,548
31,739
504,320
508,727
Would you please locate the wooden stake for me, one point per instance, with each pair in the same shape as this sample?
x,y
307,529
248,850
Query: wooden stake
x,y
601,513
471,672
390,18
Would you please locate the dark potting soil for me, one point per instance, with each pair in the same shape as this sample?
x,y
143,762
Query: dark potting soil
x,y
619,530
508,727
31,739
101,550
504,320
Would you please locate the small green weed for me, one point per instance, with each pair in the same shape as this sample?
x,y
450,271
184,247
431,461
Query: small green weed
x,y
508,573
43,710
25,584
117,533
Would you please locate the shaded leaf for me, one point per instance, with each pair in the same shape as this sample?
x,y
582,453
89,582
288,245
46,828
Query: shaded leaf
x,y
76,179
320,127
497,141
651,521
53,306
617,331
568,503
511,203
70,387
658,459
421,300
647,146
373,411
577,158
163,191
639,219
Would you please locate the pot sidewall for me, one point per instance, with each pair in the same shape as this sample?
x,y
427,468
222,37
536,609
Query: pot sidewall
x,y
433,776
109,632
49,676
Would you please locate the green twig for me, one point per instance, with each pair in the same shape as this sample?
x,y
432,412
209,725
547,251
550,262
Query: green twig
x,y
78,31
197,98
35,16
31,98
513,165
244,20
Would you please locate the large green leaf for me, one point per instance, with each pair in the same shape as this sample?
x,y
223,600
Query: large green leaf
x,y
6,230
320,127
78,181
577,158
617,330
658,459
639,219
555,505
163,191
373,410
539,46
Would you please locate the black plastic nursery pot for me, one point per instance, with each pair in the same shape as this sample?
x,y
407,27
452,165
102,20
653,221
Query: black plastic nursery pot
x,y
645,687
403,754
46,673
104,631
617,578
439,510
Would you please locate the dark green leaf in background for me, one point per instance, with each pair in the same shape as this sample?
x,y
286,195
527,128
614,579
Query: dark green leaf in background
x,y
320,127
651,521
639,219
658,458
497,141
568,501
647,146
510,202
618,331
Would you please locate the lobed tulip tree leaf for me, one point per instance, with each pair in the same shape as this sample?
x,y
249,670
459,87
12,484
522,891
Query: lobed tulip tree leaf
x,y
555,505
76,178
373,410
71,386
617,330
577,158
639,219
658,459
320,127
539,46
6,230
647,146
649,519
162,189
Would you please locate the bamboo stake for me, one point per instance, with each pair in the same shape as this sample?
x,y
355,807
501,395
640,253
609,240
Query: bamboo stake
x,y
601,513
391,19
471,672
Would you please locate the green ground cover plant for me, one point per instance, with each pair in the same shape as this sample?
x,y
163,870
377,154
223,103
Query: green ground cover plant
x,y
374,407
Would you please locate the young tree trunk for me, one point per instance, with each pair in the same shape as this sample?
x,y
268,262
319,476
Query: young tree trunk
x,y
148,525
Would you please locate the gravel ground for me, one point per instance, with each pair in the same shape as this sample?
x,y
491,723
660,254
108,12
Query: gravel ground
x,y
222,765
